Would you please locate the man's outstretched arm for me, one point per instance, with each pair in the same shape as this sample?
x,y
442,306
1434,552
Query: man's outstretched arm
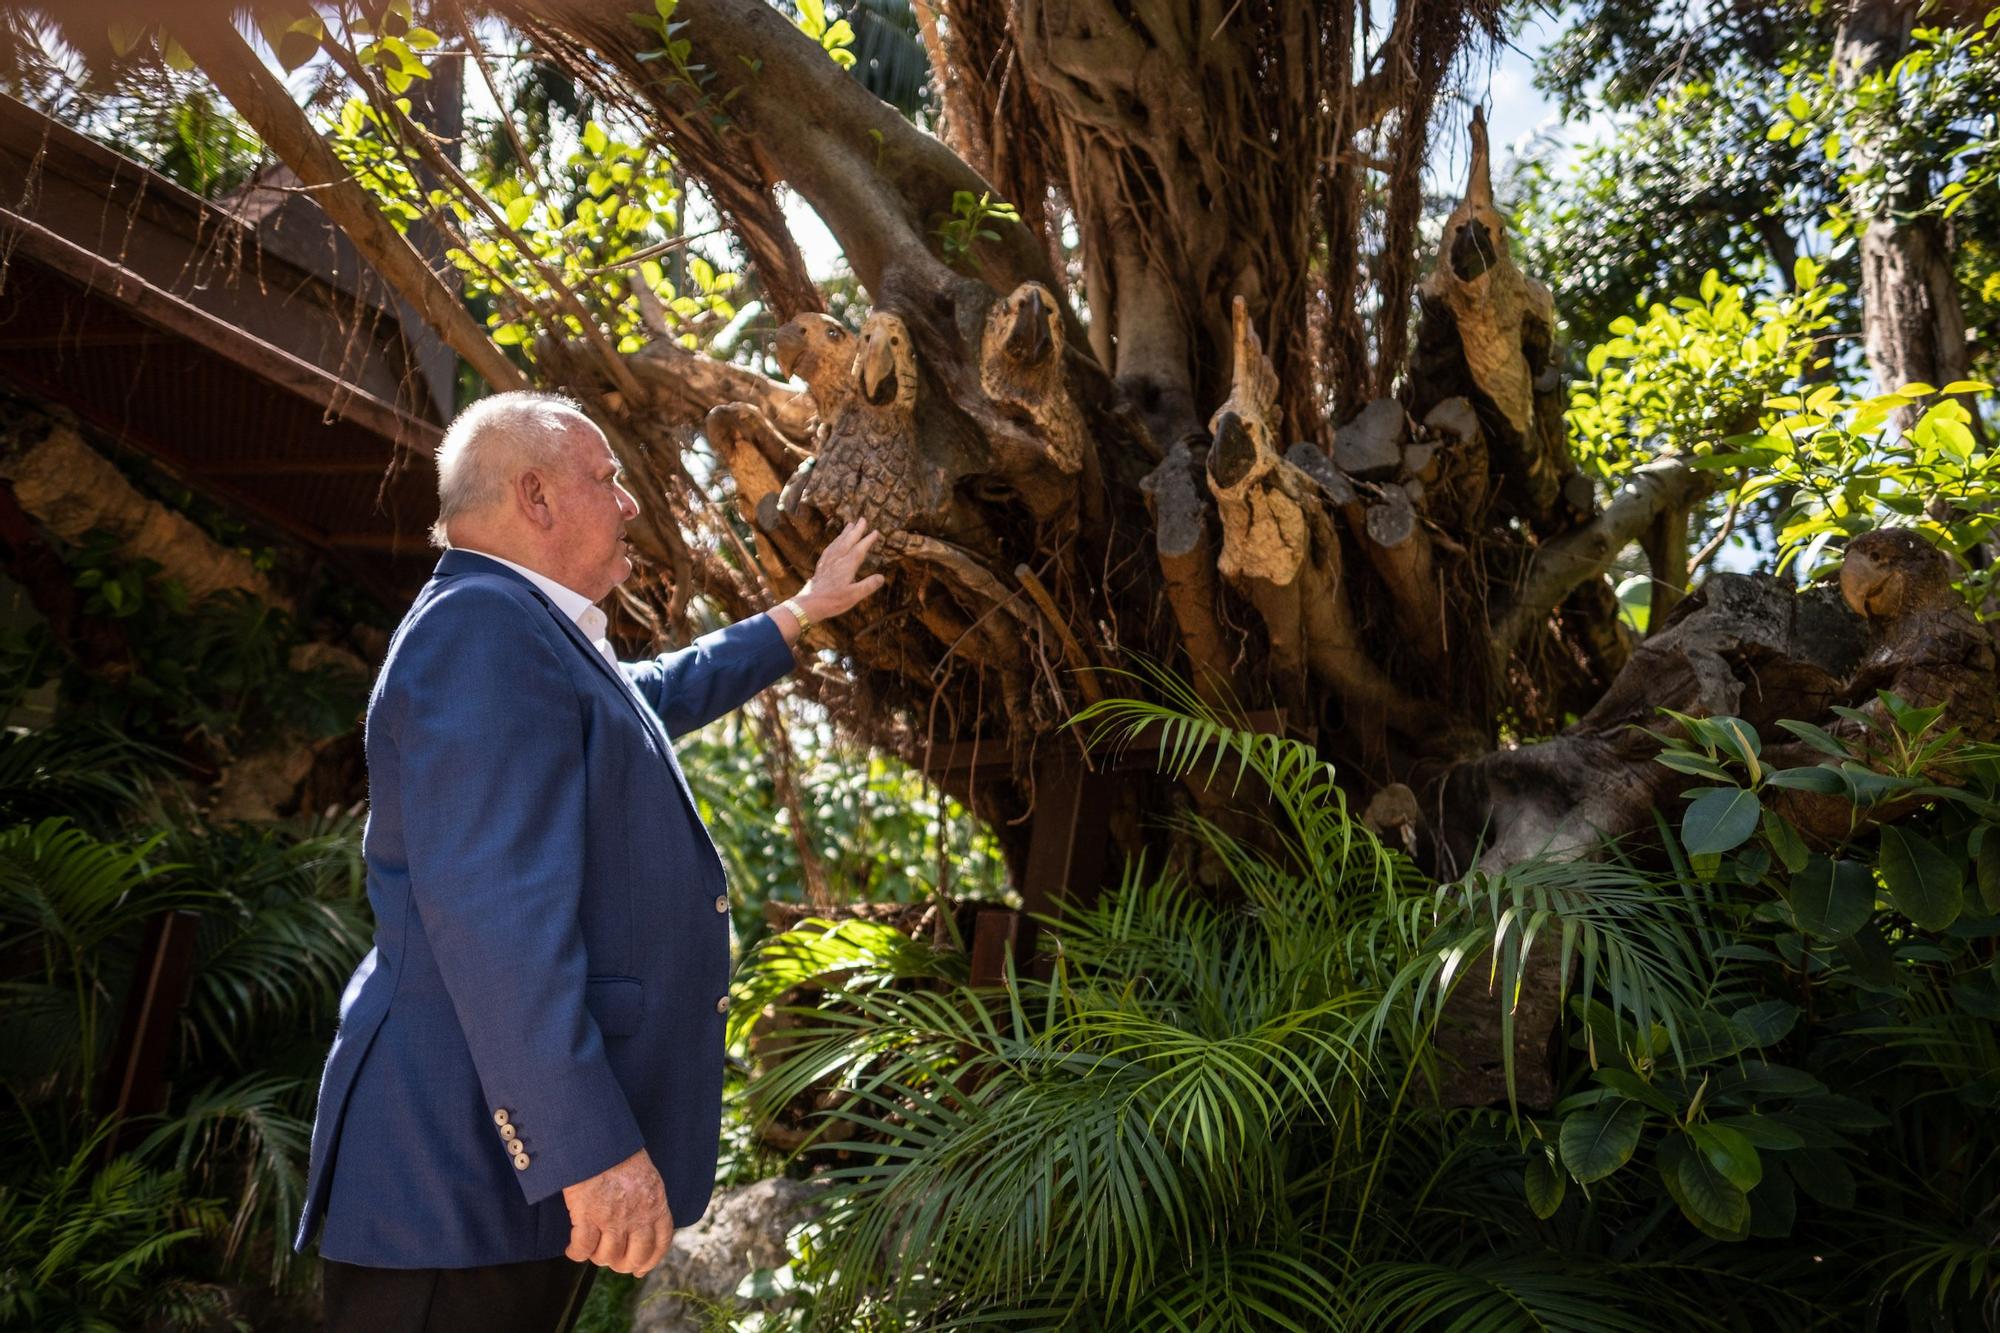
x,y
718,672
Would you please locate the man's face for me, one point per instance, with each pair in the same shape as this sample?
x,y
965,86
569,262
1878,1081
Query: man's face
x,y
592,508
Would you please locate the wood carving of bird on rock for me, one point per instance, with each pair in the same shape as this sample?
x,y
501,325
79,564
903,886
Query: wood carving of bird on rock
x,y
1021,370
869,466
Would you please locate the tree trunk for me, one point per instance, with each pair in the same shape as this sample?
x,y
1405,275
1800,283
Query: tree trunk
x,y
1913,322
1196,453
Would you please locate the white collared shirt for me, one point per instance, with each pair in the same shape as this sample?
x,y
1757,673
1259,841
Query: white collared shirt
x,y
593,622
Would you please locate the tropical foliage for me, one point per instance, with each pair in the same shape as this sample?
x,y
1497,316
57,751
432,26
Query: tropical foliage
x,y
1221,1114
109,1221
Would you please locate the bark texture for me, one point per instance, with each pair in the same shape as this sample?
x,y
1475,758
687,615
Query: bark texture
x,y
1243,426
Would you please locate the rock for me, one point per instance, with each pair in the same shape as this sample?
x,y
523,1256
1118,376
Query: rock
x,y
1454,417
744,1230
1307,458
1420,461
1371,445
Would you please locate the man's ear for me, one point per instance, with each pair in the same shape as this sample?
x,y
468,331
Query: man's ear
x,y
531,495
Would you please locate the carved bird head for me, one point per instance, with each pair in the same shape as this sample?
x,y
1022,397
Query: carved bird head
x,y
1030,325
885,367
1022,345
819,350
1892,571
1245,427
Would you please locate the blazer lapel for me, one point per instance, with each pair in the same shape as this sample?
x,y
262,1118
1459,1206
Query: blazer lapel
x,y
469,562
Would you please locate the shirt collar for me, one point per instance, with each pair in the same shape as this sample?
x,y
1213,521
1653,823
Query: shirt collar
x,y
570,602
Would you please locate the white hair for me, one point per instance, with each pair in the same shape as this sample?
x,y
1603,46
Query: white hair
x,y
492,442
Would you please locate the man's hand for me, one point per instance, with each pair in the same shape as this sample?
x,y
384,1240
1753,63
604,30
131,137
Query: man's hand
x,y
618,1219
833,588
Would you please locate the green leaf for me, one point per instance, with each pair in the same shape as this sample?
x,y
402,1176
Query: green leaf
x,y
1832,899
1925,882
1813,778
1694,765
595,139
1730,1153
1545,1184
1630,1086
1706,1197
1599,1139
1758,1079
1816,737
1766,1022
1763,1131
1719,820
519,210
1976,994
1866,787
1739,739
1774,1207
1785,841
1989,871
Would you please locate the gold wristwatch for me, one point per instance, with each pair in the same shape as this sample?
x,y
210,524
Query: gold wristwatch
x,y
791,604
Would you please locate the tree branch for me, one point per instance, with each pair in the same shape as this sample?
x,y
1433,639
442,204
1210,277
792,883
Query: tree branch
x,y
419,138
263,102
1587,552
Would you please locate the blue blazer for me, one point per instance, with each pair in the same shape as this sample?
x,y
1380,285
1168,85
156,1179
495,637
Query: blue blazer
x,y
551,932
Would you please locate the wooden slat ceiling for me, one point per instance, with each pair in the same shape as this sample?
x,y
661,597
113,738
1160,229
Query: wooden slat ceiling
x,y
251,355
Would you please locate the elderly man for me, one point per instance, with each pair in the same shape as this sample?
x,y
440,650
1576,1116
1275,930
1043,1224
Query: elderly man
x,y
528,1072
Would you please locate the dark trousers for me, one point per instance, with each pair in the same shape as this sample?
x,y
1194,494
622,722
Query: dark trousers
x,y
544,1296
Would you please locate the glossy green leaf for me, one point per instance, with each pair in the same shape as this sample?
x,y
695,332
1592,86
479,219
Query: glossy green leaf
x,y
1719,819
1767,1022
1705,1195
1924,881
1599,1139
1730,1153
1545,1183
1831,899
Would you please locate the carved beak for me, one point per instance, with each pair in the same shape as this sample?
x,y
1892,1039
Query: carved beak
x,y
875,368
789,345
1028,340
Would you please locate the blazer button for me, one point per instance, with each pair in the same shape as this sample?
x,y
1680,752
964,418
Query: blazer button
x,y
520,1161
722,902
722,1005
500,1116
514,1147
507,1131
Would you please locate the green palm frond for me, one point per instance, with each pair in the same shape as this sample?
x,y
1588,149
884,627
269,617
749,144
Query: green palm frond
x,y
1505,1293
262,1121
1229,1289
1641,942
1950,1272
1031,1179
89,773
60,883
82,1244
289,925
862,953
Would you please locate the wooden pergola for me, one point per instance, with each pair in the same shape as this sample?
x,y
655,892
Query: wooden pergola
x,y
241,344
